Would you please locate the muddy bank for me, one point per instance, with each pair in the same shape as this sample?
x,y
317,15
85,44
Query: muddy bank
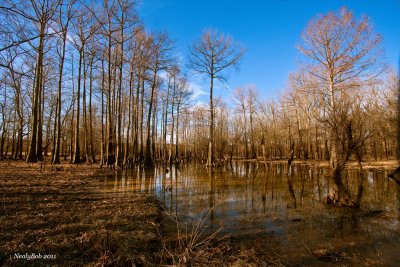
x,y
351,164
60,216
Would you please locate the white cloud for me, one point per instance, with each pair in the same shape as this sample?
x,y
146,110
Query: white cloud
x,y
197,89
163,75
198,85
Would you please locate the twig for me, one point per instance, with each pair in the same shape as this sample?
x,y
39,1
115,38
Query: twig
x,y
308,249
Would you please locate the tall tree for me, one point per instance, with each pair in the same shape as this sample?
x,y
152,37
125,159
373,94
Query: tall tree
x,y
65,16
343,53
241,105
182,98
398,113
126,20
85,29
212,55
36,16
160,49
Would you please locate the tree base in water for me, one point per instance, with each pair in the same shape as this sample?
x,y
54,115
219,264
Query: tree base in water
x,y
334,200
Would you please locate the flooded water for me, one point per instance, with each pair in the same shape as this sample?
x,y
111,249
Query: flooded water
x,y
251,200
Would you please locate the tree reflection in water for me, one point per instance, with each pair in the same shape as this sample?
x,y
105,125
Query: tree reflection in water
x,y
251,198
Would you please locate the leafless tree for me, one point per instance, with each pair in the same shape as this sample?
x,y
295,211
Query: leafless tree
x,y
343,53
212,55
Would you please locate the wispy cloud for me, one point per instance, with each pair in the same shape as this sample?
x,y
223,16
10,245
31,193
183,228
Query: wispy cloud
x,y
197,89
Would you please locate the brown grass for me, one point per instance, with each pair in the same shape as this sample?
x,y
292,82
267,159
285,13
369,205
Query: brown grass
x,y
195,244
390,164
63,212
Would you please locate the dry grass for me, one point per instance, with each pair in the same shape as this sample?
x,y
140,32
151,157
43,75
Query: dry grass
x,y
195,244
63,212
191,244
352,164
368,164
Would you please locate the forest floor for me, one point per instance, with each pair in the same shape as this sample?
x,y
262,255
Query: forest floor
x,y
60,217
367,164
389,164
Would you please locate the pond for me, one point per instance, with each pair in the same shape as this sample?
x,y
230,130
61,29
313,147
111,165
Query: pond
x,y
248,200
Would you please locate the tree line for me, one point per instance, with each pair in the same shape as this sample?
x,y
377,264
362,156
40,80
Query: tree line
x,y
84,81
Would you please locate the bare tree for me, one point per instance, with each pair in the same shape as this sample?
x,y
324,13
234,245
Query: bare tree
x,y
398,113
343,53
65,16
160,48
182,98
32,21
86,27
241,106
212,55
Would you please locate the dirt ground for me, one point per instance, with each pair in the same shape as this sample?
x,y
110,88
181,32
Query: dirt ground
x,y
59,216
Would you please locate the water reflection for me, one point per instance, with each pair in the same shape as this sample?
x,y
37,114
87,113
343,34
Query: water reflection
x,y
252,196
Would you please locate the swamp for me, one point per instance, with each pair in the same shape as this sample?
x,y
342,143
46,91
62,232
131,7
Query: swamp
x,y
199,133
243,214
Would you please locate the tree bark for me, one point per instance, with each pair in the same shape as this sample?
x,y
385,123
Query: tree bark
x,y
32,154
77,151
210,160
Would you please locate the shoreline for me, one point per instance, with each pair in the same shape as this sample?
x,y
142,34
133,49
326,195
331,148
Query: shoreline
x,y
351,164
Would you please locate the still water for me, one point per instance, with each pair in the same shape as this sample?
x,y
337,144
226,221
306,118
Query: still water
x,y
253,199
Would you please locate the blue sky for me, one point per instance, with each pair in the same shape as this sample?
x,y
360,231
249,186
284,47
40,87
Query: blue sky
x,y
269,30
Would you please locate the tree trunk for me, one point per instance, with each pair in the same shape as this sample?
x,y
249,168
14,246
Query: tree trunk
x,y
253,147
71,143
246,144
171,138
136,123
398,117
39,144
141,121
210,160
110,144
126,150
118,157
102,112
92,156
84,111
77,152
154,128
177,134
32,154
166,122
148,160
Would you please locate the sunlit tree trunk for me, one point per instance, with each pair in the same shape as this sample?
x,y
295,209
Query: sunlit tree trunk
x,y
128,126
148,160
398,116
32,154
165,122
210,158
84,111
102,144
92,156
77,150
